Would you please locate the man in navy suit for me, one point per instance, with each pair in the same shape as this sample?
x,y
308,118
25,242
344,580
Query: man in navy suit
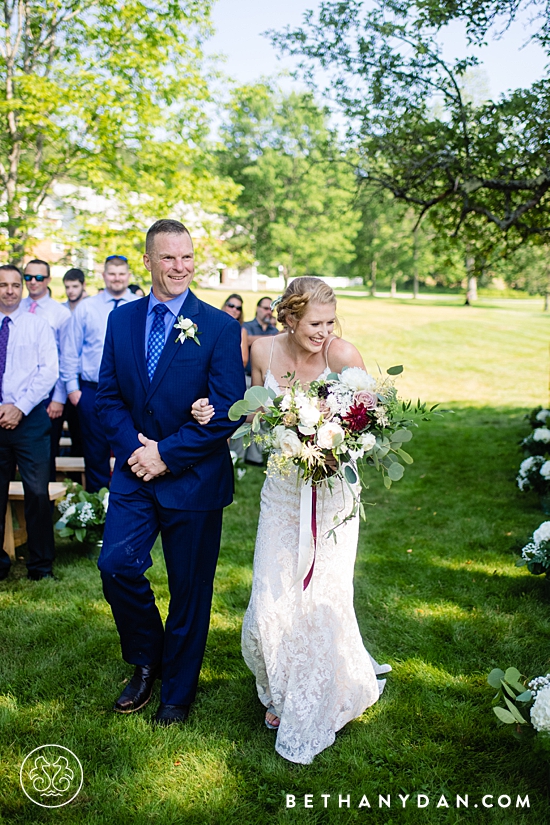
x,y
171,475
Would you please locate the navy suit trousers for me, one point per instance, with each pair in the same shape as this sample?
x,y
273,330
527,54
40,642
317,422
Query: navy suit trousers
x,y
29,446
190,542
97,450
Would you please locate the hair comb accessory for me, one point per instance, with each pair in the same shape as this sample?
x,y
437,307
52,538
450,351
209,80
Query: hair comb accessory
x,y
276,302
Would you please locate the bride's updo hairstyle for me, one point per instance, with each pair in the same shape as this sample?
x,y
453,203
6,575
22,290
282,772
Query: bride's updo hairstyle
x,y
299,294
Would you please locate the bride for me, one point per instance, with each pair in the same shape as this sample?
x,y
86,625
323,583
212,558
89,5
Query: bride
x,y
313,673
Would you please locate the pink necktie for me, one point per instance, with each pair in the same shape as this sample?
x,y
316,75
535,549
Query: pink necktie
x,y
33,306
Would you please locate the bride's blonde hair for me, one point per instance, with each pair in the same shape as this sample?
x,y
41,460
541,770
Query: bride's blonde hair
x,y
299,294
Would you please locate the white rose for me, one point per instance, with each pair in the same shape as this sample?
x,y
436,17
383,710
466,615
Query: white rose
x,y
330,435
289,444
357,379
542,533
540,711
190,332
308,412
545,470
185,323
543,415
542,434
368,441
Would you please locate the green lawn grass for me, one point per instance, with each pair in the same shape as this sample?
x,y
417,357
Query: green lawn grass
x,y
438,596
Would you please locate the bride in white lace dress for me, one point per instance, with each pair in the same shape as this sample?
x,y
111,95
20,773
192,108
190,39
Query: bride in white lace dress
x,y
313,673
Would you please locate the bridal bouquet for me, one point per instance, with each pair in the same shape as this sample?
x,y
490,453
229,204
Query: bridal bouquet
x,y
327,429
82,514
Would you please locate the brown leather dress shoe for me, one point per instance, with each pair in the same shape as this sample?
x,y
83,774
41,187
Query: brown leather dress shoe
x,y
138,691
171,714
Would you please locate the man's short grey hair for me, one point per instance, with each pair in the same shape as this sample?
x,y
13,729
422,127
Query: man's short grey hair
x,y
165,226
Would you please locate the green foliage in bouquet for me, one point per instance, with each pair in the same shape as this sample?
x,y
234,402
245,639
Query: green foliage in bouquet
x,y
82,514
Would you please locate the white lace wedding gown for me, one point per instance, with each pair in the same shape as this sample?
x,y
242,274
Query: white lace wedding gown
x,y
304,647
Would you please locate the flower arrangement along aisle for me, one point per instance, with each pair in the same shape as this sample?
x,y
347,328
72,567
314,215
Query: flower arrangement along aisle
x,y
82,514
331,432
523,704
536,554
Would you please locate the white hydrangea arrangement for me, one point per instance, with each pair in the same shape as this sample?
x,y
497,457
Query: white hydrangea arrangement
x,y
537,442
532,476
523,704
536,553
82,514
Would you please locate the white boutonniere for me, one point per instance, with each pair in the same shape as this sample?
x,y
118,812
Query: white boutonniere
x,y
187,330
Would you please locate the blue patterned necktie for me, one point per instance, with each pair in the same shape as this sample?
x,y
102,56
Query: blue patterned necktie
x,y
155,342
4,336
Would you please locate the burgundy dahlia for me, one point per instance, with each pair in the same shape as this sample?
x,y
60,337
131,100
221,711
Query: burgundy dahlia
x,y
357,418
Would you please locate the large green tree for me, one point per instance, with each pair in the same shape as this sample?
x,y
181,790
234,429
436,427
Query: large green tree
x,y
480,169
295,212
110,94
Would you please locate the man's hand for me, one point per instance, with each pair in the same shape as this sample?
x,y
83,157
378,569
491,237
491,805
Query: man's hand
x,y
146,462
74,397
10,416
55,409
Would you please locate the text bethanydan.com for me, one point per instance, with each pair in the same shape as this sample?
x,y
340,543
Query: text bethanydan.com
x,y
417,800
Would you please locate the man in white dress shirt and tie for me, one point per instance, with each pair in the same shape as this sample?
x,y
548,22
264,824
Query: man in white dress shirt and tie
x,y
28,371
38,302
80,363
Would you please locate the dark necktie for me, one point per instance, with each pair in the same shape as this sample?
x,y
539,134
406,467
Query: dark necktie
x,y
155,342
4,336
116,302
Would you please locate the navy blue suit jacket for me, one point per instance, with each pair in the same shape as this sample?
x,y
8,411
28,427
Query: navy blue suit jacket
x,y
201,473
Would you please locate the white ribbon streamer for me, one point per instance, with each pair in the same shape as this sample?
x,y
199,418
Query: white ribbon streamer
x,y
306,538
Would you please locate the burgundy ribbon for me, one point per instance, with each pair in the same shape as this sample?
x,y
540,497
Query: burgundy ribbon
x,y
313,532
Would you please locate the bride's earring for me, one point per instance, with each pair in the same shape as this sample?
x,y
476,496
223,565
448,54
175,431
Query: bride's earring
x,y
292,332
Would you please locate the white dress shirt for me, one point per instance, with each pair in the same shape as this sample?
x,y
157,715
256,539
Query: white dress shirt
x,y
84,347
59,319
31,360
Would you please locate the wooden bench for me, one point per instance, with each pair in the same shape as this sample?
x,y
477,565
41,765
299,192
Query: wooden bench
x,y
14,537
76,464
68,464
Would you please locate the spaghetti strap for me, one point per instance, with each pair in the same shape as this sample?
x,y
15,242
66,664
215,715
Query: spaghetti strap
x,y
271,353
326,350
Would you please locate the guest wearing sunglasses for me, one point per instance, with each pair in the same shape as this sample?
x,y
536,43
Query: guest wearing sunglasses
x,y
234,307
80,363
39,302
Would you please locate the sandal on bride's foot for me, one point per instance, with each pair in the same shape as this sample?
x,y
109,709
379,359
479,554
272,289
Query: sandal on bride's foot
x,y
270,723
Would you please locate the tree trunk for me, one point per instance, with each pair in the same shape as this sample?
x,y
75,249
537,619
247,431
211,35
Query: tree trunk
x,y
415,263
393,287
471,293
547,293
373,278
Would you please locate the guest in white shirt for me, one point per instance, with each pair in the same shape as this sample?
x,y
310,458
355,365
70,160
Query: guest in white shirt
x,y
28,371
80,362
39,302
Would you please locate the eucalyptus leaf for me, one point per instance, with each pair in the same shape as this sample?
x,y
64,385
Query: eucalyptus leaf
x,y
350,474
504,715
526,696
256,421
395,370
512,674
514,711
306,430
408,459
242,431
332,376
401,435
238,409
257,397
80,533
395,471
387,482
